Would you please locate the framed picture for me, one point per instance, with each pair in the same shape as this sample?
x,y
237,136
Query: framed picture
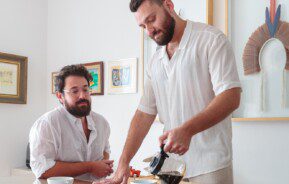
x,y
53,77
13,79
220,11
96,71
122,76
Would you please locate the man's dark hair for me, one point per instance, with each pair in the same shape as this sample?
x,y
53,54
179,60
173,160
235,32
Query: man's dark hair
x,y
71,70
135,4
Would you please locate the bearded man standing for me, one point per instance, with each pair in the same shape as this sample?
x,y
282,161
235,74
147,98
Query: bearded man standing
x,y
193,85
71,140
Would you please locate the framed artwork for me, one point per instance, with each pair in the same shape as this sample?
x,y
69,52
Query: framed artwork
x,y
122,76
13,79
97,83
53,77
220,15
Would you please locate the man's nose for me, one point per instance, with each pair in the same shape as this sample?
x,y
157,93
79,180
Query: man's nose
x,y
150,31
82,94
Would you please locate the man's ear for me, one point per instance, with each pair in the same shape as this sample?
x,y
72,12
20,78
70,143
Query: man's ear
x,y
60,97
169,5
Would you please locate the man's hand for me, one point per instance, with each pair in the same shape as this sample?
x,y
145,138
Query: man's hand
x,y
178,140
101,168
121,176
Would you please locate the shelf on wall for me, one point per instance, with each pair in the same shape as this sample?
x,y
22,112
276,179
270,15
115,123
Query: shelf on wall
x,y
260,119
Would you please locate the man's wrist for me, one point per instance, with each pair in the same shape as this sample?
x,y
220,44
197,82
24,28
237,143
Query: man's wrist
x,y
89,166
124,161
189,129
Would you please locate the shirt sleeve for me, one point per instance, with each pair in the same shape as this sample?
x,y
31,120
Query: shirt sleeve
x,y
42,148
107,145
222,65
148,101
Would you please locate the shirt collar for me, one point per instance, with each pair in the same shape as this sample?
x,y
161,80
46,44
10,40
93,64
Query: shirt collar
x,y
184,40
73,119
90,123
186,35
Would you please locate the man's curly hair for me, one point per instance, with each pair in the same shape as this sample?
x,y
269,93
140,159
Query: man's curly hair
x,y
71,70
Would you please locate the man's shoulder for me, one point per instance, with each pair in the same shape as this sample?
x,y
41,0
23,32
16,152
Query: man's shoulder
x,y
48,117
202,29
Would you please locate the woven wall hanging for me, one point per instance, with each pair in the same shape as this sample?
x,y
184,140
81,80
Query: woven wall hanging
x,y
272,29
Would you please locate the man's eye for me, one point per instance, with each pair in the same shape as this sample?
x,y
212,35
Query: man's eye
x,y
151,20
86,90
74,91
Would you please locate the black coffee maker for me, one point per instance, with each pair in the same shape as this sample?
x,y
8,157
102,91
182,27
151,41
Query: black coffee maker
x,y
169,169
28,156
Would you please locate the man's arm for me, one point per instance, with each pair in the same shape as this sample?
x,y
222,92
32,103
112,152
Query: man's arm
x,y
100,168
178,139
139,128
105,155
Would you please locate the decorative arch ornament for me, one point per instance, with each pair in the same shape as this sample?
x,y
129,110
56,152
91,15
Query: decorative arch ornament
x,y
273,28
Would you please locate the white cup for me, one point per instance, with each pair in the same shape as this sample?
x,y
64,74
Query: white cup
x,y
60,180
143,182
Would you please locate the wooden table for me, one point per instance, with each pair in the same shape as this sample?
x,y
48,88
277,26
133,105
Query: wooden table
x,y
31,180
153,178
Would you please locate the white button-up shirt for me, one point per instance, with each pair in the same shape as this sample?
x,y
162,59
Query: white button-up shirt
x,y
177,89
59,136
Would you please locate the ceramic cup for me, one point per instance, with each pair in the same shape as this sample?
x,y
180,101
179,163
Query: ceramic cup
x,y
143,182
60,180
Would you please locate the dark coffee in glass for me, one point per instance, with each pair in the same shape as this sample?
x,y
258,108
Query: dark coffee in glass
x,y
173,177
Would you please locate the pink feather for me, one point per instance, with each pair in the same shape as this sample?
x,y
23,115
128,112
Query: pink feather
x,y
272,10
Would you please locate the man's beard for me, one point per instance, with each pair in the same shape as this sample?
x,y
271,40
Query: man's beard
x,y
168,31
78,111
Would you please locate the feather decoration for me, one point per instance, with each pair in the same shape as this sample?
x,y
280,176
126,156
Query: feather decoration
x,y
273,26
272,10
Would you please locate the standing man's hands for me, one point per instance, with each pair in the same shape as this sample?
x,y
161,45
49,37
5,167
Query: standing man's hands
x,y
120,177
178,140
101,168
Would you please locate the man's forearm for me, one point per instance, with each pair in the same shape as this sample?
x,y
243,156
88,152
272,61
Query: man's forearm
x,y
105,155
67,169
221,106
139,128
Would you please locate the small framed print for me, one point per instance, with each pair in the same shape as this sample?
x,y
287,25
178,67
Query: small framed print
x,y
13,79
53,84
96,71
122,76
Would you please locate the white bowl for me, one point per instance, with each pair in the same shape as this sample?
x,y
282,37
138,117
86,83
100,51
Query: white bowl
x,y
60,180
143,182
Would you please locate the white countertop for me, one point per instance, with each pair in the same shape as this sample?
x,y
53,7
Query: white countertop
x,y
30,180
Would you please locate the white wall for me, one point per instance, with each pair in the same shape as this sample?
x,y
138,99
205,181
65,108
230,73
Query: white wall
x,y
260,149
23,32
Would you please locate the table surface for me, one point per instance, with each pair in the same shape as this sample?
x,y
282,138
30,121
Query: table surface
x,y
152,177
29,180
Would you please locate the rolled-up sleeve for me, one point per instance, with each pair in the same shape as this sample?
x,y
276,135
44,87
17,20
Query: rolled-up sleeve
x,y
42,148
148,101
222,65
107,145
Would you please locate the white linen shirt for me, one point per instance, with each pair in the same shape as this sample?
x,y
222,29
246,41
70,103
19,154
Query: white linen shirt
x,y
202,67
59,136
